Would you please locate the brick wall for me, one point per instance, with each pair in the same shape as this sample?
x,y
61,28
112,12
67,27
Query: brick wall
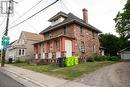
x,y
73,30
60,31
88,39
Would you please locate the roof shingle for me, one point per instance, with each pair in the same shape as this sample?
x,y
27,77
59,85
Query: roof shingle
x,y
33,36
70,18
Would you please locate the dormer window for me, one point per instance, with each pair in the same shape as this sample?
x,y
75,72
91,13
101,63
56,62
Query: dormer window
x,y
58,20
59,17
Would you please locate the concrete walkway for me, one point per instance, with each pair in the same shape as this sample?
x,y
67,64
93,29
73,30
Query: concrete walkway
x,y
34,79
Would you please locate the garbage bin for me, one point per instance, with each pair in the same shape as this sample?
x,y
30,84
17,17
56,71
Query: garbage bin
x,y
61,61
10,60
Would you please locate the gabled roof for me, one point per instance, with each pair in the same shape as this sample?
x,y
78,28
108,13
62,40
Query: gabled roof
x,y
70,19
125,49
12,42
58,15
33,36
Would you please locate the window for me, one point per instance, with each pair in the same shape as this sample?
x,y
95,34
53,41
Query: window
x,y
57,43
49,35
94,48
43,50
23,52
65,30
81,30
49,47
19,51
82,49
93,33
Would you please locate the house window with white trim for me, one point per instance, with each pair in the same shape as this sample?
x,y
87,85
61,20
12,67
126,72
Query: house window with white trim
x,y
94,48
19,51
23,51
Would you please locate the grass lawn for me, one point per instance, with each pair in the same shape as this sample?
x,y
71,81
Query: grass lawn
x,y
70,73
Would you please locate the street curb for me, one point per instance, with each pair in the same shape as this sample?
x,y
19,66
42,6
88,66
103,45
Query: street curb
x,y
29,80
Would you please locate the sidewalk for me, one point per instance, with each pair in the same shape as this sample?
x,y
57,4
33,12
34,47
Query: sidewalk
x,y
34,79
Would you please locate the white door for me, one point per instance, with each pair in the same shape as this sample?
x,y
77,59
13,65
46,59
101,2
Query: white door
x,y
68,47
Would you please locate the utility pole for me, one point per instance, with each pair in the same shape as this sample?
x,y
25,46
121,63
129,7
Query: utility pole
x,y
6,32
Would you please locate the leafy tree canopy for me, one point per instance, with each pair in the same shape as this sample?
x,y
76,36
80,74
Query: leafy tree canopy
x,y
122,21
112,44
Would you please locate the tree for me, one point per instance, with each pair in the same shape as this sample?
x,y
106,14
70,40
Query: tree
x,y
110,43
122,21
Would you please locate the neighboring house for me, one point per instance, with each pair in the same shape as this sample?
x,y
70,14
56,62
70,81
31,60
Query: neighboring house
x,y
125,54
68,35
22,48
11,52
102,51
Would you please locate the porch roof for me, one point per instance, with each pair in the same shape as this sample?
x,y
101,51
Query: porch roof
x,y
54,38
17,47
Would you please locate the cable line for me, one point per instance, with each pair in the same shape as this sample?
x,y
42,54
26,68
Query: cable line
x,y
2,21
27,11
34,14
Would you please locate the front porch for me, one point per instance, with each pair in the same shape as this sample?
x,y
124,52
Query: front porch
x,y
53,48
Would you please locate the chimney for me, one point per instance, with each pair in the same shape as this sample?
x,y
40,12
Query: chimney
x,y
85,15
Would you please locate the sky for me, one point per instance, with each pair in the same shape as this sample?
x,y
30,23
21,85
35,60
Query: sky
x,y
100,14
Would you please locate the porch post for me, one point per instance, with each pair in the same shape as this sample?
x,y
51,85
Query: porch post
x,y
73,47
63,44
62,47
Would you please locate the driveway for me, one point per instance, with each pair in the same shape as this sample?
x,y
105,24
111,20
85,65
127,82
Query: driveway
x,y
116,75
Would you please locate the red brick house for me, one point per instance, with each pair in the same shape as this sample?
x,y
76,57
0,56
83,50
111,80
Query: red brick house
x,y
68,35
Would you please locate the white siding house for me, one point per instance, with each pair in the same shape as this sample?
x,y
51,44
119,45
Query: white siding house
x,y
125,55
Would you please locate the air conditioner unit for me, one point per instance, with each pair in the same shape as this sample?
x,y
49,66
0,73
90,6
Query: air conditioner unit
x,y
82,49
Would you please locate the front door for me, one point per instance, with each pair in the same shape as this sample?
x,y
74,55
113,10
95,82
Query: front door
x,y
68,47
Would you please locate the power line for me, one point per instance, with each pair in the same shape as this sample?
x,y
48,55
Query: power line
x,y
27,23
27,11
20,0
2,21
1,25
65,6
34,14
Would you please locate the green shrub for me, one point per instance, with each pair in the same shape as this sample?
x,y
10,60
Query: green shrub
x,y
19,61
100,58
113,58
90,59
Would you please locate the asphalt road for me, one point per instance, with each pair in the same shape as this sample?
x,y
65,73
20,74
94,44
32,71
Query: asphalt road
x,y
6,81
